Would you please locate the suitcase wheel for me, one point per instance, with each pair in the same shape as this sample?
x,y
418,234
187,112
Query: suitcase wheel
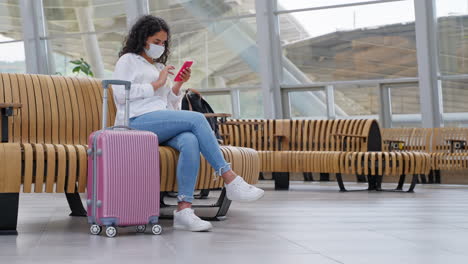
x,y
156,229
111,231
141,228
95,229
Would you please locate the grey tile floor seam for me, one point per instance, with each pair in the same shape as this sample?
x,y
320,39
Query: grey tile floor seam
x,y
311,223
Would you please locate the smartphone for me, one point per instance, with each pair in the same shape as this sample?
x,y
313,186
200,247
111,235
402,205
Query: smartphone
x,y
187,64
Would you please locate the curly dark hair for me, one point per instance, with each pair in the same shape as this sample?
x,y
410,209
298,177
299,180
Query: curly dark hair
x,y
145,27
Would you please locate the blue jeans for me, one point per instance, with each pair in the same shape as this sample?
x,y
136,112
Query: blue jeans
x,y
189,133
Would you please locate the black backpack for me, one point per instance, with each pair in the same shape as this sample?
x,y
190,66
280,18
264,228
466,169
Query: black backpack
x,y
193,101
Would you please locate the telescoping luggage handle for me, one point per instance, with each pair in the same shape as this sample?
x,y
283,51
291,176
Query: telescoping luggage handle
x,y
105,85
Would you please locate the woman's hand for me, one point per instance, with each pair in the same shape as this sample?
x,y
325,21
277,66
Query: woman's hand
x,y
165,72
163,77
185,74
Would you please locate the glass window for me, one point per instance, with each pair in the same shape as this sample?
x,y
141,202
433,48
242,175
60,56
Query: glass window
x,y
356,100
12,57
11,31
224,52
405,106
10,20
84,16
453,43
251,104
455,96
349,43
73,48
307,104
455,121
405,99
221,103
182,10
104,25
299,4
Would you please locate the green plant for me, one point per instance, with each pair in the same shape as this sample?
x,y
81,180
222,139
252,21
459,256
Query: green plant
x,y
82,66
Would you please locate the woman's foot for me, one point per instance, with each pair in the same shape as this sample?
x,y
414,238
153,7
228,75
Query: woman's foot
x,y
240,191
187,220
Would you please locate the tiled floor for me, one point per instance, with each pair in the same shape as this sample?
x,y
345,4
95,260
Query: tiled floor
x,y
311,223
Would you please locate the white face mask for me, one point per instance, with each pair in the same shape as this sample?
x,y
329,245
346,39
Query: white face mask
x,y
155,51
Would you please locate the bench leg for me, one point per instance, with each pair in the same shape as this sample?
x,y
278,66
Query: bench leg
x,y
437,177
430,177
223,204
372,182
9,213
202,195
401,182
162,204
378,182
76,206
324,176
375,183
361,178
414,181
260,176
308,176
339,179
281,180
423,178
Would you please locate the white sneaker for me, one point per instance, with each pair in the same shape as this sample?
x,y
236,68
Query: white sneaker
x,y
187,220
240,191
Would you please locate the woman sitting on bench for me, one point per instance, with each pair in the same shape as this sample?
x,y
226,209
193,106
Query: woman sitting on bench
x,y
155,106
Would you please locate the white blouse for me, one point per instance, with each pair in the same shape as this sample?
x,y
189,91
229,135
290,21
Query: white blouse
x,y
143,99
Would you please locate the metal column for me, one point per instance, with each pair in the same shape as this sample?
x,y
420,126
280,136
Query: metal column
x,y
269,57
385,106
429,85
331,111
235,101
38,57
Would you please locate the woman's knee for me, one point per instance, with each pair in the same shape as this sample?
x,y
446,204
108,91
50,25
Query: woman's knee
x,y
188,141
194,116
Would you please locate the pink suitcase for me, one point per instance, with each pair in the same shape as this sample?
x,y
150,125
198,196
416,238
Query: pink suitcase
x,y
123,175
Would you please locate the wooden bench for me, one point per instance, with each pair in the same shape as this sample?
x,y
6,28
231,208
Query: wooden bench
x,y
321,146
44,149
447,147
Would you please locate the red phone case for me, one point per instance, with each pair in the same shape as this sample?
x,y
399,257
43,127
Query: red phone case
x,y
186,65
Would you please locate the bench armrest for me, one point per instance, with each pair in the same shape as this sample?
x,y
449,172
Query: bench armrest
x,y
389,141
348,135
222,116
456,144
237,123
395,144
281,139
10,105
217,115
6,110
344,147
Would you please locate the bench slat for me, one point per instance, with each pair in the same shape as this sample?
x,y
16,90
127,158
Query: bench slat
x,y
50,177
61,168
10,161
82,167
40,160
72,168
28,167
